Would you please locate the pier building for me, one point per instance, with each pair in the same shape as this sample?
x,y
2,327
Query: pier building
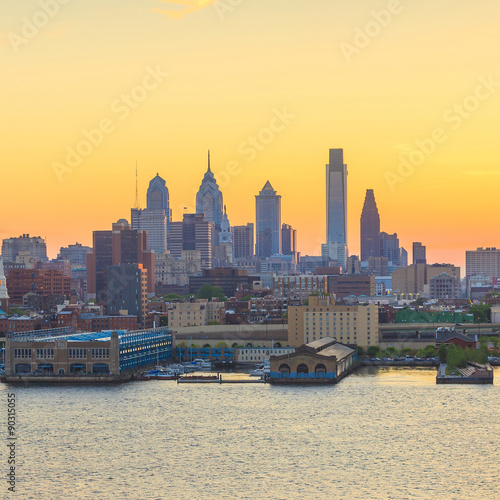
x,y
91,353
319,362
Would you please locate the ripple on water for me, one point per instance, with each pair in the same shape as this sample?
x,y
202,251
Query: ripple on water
x,y
379,434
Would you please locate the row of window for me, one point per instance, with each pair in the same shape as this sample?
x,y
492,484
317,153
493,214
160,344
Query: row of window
x,y
22,353
77,353
100,353
45,353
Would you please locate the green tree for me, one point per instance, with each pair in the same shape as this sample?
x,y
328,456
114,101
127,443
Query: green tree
x,y
373,350
407,351
221,344
442,353
360,350
246,297
209,292
481,313
172,296
206,345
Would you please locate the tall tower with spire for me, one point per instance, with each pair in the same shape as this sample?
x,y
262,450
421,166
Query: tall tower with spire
x,y
209,198
4,296
223,252
370,227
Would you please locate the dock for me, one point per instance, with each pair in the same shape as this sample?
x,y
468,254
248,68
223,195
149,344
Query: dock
x,y
473,373
217,379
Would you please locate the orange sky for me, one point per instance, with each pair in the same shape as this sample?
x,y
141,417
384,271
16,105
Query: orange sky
x,y
167,82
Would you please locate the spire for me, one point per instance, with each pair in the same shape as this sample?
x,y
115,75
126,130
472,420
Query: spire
x,y
225,213
209,161
136,205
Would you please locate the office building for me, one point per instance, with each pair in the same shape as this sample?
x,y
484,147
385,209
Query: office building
x,y
288,240
344,285
31,246
415,278
45,282
127,290
268,222
389,247
419,256
226,278
121,245
483,262
156,218
445,287
243,241
76,254
170,270
336,207
370,228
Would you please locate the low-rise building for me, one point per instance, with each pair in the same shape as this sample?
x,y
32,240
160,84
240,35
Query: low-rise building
x,y
261,354
181,314
353,324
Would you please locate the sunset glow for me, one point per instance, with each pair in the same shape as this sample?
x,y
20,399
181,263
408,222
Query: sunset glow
x,y
409,90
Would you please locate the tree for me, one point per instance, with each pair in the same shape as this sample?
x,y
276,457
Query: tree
x,y
208,291
206,345
360,350
172,296
221,344
246,297
481,313
442,353
373,350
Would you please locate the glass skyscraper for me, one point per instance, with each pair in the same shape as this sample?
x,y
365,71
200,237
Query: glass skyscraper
x,y
268,222
336,207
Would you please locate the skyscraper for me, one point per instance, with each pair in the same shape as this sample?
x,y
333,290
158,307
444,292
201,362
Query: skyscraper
x,y
156,218
121,245
243,241
389,247
370,227
193,233
209,198
268,222
336,207
419,256
288,240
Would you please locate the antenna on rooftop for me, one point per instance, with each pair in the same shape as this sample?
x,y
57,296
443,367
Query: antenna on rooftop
x,y
136,189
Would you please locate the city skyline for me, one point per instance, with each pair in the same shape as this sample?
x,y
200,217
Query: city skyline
x,y
411,113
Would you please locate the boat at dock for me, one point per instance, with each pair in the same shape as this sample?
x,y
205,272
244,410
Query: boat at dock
x,y
262,370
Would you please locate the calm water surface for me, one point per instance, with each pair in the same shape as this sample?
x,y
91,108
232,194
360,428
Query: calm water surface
x,y
387,433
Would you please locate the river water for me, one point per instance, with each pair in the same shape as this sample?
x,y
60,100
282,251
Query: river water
x,y
387,433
